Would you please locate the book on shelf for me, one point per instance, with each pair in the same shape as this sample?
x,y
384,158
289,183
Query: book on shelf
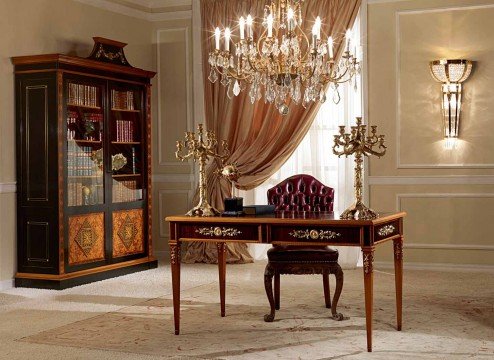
x,y
259,209
122,100
83,95
125,191
125,130
79,162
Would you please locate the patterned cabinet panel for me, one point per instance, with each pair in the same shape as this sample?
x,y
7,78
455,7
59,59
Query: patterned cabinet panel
x,y
128,232
86,238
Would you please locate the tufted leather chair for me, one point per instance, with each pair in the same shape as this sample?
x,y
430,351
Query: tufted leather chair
x,y
302,193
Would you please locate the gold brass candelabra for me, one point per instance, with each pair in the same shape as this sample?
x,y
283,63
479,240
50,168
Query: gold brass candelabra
x,y
358,144
201,149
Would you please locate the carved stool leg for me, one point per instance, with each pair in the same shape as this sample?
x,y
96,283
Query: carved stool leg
x,y
277,290
327,293
268,285
337,292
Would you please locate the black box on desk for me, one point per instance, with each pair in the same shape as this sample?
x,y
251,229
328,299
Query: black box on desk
x,y
233,207
259,209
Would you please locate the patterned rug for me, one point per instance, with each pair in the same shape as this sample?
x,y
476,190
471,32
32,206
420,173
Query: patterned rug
x,y
438,323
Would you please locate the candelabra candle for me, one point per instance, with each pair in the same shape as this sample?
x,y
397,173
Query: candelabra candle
x,y
201,149
357,143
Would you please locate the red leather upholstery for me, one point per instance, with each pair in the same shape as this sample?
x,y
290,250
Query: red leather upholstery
x,y
301,193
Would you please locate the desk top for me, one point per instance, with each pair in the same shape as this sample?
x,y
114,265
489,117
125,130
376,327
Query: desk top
x,y
293,217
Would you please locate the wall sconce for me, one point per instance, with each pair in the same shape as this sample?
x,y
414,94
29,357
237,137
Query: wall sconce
x,y
451,73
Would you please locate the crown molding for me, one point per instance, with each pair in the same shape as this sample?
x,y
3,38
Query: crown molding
x,y
150,10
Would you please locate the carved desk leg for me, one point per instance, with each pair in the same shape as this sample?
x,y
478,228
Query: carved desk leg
x,y
222,274
337,292
175,264
369,291
398,255
268,285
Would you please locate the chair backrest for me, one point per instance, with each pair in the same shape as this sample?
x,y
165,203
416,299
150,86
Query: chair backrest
x,y
301,193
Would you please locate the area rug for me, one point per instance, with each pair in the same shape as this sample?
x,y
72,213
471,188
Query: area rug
x,y
438,323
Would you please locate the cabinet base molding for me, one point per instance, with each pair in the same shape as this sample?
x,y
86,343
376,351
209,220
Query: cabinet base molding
x,y
60,282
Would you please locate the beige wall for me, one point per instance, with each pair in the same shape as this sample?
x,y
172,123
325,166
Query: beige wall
x,y
172,192
30,27
448,194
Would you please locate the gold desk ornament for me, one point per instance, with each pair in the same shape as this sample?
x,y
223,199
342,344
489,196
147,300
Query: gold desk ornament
x,y
231,173
201,149
358,144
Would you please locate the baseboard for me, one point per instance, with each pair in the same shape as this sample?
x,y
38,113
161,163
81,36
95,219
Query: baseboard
x,y
6,284
438,266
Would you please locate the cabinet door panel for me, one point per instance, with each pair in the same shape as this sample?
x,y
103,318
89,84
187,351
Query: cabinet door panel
x,y
86,238
128,232
37,121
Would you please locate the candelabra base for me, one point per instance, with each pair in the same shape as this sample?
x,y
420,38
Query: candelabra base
x,y
203,209
358,211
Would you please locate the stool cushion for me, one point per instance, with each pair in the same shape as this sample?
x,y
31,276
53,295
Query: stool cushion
x,y
306,253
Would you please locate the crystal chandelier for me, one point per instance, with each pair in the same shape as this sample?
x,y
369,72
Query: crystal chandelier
x,y
284,61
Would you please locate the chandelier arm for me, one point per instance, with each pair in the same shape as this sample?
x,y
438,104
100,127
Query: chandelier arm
x,y
307,41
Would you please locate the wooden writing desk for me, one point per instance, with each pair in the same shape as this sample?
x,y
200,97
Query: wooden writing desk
x,y
289,228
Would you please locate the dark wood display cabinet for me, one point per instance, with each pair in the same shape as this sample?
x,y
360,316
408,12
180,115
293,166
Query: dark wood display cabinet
x,y
83,167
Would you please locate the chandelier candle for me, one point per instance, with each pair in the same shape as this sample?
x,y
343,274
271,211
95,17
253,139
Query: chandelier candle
x,y
284,64
358,144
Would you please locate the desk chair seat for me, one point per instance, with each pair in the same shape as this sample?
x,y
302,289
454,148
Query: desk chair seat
x,y
302,193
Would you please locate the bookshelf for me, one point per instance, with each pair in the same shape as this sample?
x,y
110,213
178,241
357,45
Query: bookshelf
x,y
84,171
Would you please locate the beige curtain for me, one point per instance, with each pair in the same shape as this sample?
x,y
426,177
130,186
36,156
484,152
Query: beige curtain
x,y
260,139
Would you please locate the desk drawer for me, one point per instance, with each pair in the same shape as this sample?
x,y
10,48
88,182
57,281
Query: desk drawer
x,y
384,231
227,232
315,234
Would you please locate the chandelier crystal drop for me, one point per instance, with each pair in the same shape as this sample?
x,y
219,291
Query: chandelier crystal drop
x,y
284,63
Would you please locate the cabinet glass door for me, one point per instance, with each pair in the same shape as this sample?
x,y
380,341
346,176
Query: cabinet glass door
x,y
85,125
126,120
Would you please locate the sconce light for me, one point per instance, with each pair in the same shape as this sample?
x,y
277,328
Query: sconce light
x,y
451,73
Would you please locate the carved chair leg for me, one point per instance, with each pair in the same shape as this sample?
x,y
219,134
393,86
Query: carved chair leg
x,y
327,293
268,285
277,290
337,292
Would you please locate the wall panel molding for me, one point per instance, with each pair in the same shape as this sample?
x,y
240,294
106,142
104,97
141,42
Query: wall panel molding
x,y
436,267
432,180
448,246
440,196
441,246
8,188
399,163
173,178
164,228
186,35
